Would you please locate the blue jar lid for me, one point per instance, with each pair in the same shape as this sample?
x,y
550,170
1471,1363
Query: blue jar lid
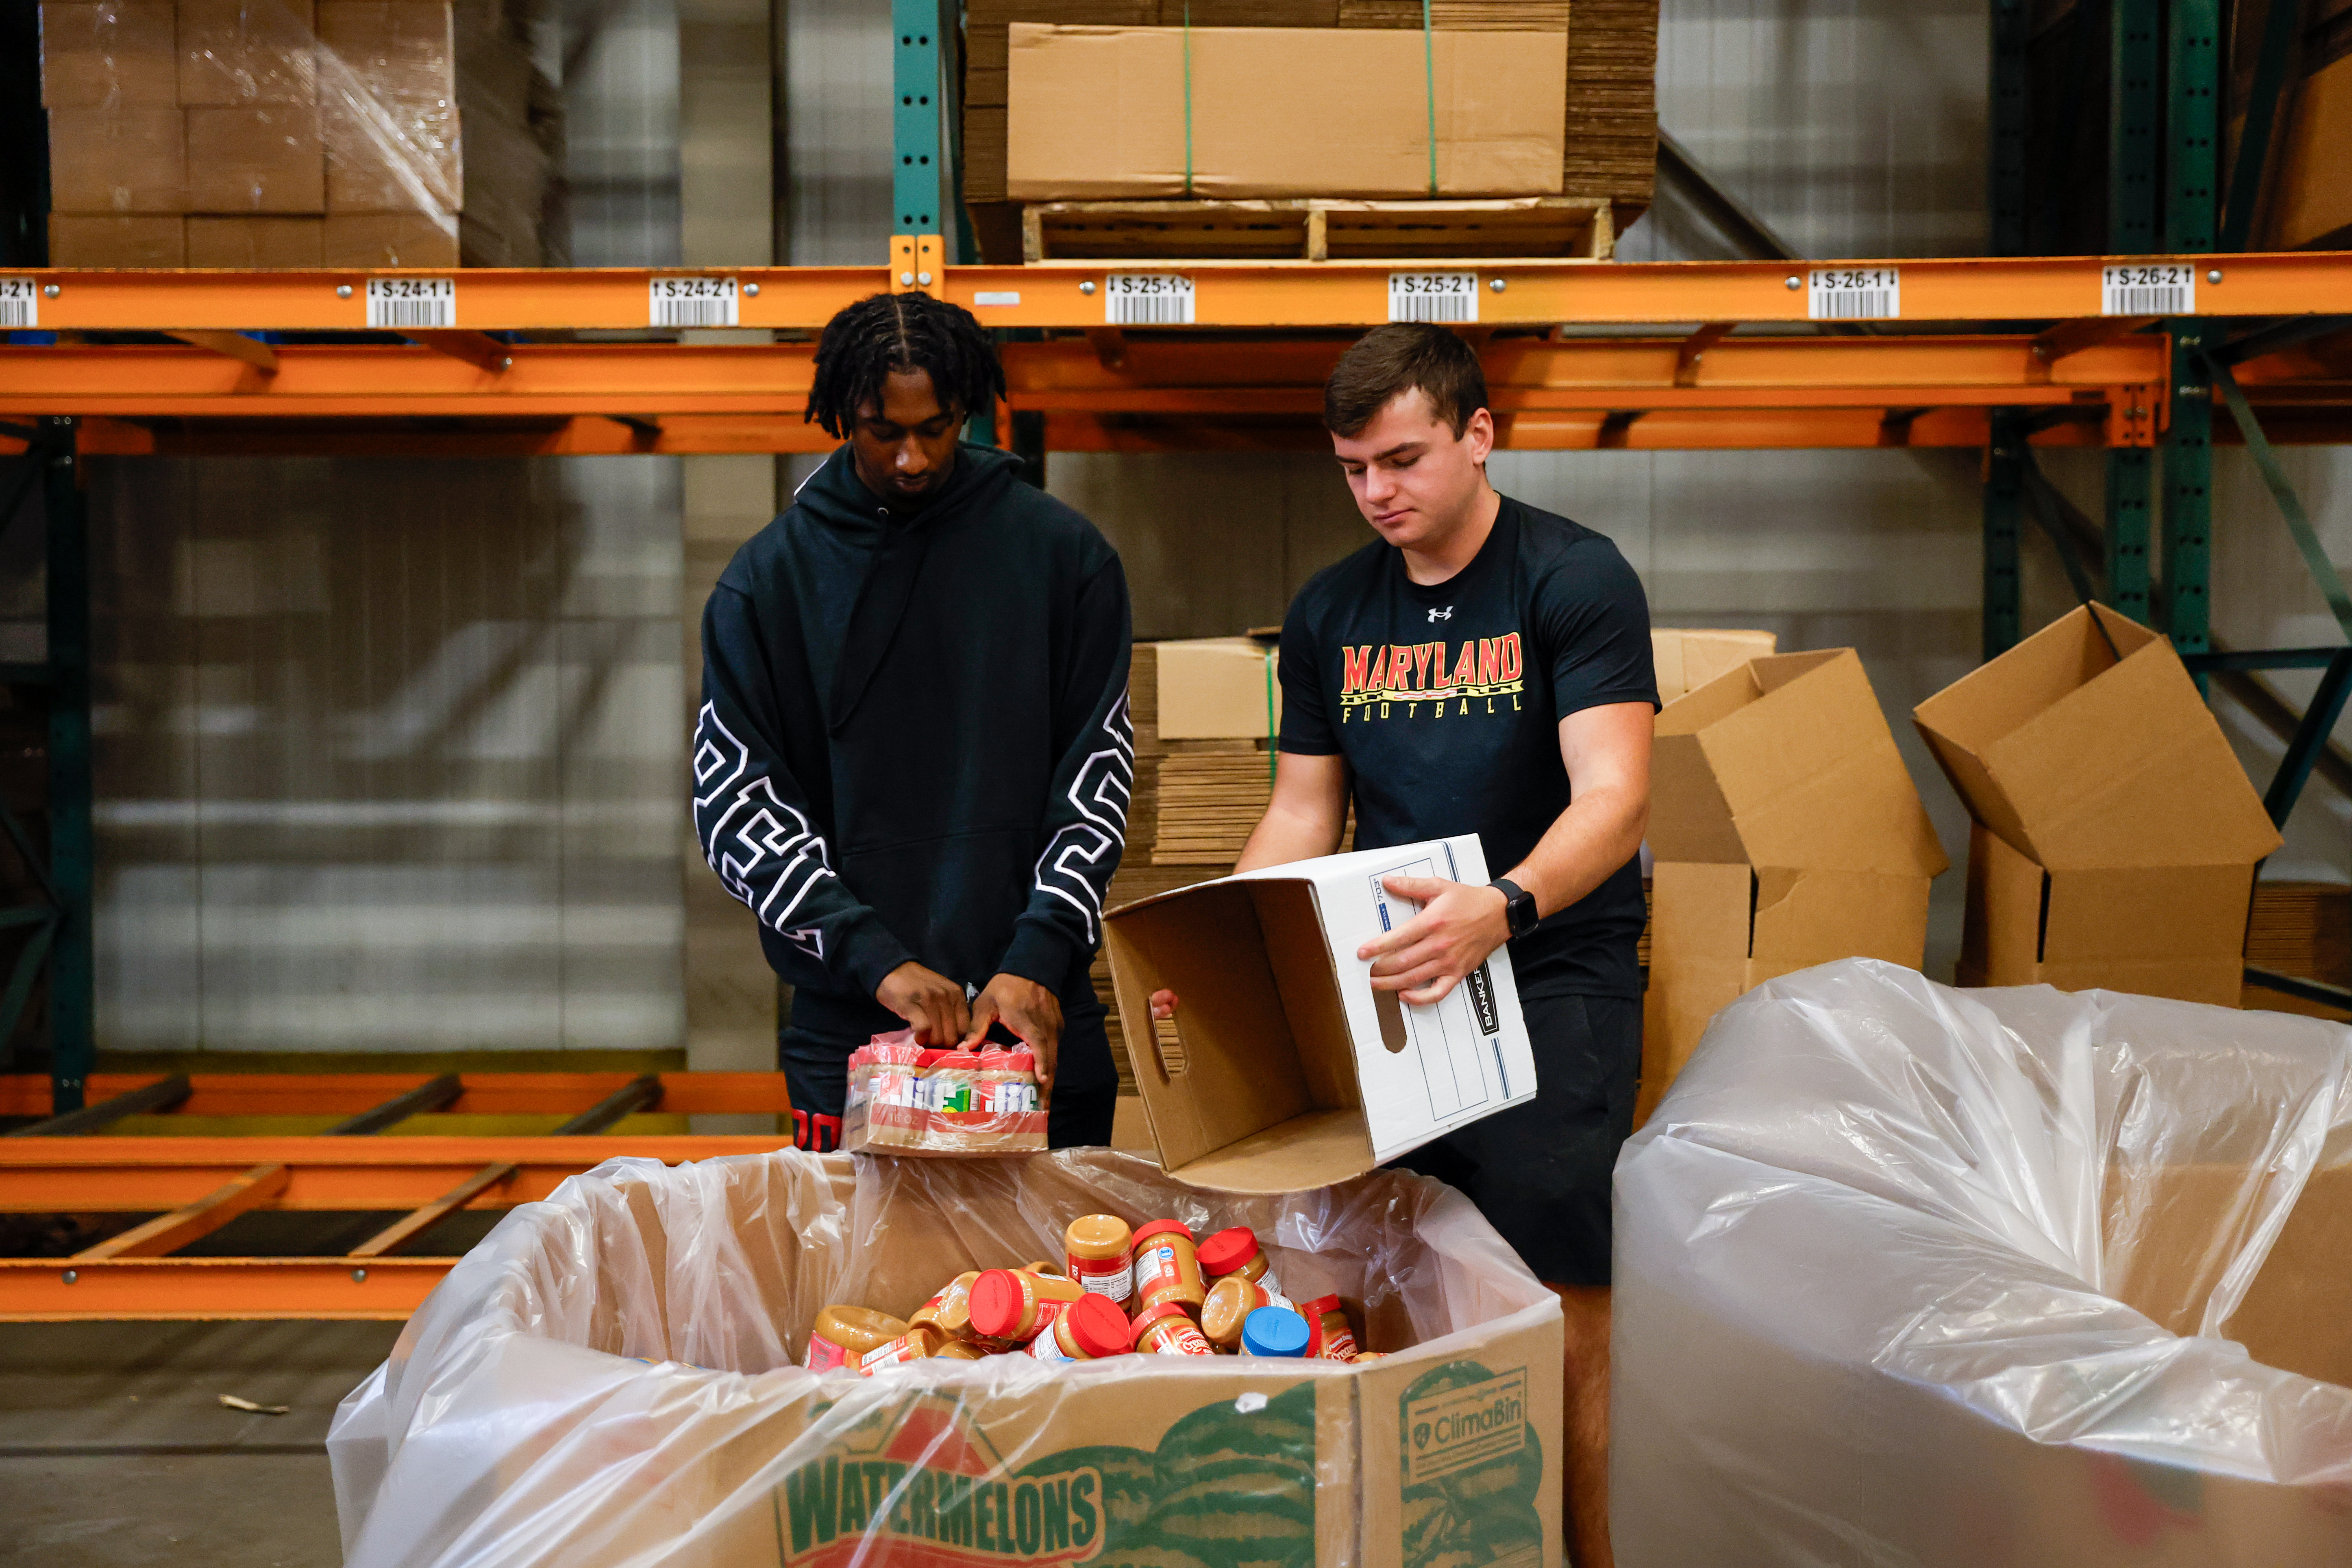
x,y
1274,1331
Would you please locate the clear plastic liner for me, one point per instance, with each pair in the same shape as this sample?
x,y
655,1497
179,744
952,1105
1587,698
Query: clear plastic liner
x,y
609,1378
1913,1276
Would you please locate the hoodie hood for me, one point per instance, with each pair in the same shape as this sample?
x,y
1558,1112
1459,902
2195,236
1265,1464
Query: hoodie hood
x,y
837,499
836,496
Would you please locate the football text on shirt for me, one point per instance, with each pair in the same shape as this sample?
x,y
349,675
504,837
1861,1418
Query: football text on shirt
x,y
1416,679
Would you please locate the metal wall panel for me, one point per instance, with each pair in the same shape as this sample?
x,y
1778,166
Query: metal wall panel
x,y
388,755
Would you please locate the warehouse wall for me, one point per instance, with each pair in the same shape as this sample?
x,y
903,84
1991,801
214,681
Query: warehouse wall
x,y
390,753
2263,598
386,754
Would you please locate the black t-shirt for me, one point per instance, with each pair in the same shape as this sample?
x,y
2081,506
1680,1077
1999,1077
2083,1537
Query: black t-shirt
x,y
1446,701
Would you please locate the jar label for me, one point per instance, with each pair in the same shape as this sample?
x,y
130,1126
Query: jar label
x,y
824,1356
1156,1265
1114,1277
1181,1339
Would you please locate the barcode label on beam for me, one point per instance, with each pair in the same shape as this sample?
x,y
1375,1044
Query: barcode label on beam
x,y
692,303
1854,294
20,303
400,303
2164,289
1147,299
1433,296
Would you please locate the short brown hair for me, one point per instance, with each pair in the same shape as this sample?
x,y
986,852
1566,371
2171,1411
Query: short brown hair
x,y
1398,358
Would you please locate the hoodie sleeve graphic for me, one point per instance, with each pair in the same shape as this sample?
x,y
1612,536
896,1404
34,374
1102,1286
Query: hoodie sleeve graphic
x,y
752,821
1085,814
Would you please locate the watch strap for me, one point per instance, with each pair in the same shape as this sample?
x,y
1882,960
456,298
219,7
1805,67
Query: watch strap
x,y
1519,906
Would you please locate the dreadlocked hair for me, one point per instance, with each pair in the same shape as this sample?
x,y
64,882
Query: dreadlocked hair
x,y
885,333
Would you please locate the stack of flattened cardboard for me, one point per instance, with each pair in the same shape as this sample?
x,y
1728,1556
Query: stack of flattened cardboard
x,y
1609,131
2303,929
2115,835
1787,833
251,134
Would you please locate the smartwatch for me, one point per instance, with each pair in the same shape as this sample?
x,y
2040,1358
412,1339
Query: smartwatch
x,y
1519,906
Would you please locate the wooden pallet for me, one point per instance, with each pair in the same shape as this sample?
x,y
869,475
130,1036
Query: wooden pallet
x,y
1573,229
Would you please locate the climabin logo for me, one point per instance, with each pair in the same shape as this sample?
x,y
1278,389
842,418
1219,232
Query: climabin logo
x,y
1472,1466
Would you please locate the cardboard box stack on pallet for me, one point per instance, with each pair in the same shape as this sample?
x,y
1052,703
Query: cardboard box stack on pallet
x,y
266,133
1224,100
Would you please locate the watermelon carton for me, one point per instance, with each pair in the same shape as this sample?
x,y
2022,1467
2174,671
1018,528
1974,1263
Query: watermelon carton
x,y
609,1379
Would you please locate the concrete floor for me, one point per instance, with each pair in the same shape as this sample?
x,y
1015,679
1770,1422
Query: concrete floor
x,y
115,1451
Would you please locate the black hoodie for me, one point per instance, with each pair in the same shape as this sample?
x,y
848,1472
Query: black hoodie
x,y
914,741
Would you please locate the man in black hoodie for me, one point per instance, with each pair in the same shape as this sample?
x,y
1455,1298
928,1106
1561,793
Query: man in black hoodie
x,y
914,757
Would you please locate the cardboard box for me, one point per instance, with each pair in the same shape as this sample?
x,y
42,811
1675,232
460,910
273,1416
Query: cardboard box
x,y
263,158
1283,1070
1214,689
1787,833
2312,204
246,243
86,240
116,54
732,1454
2115,835
1687,660
132,159
389,239
1277,111
236,52
388,94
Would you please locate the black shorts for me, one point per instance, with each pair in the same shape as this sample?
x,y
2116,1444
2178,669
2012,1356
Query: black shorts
x,y
1540,1172
817,1073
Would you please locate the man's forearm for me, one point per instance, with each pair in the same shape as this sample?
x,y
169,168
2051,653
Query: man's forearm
x,y
1599,832
1282,836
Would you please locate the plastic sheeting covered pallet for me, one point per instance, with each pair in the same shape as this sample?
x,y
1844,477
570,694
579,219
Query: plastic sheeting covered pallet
x,y
1909,1275
609,1379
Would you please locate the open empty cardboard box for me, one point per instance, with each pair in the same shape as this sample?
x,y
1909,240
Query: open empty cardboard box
x,y
1688,658
2115,835
1282,1070
1786,832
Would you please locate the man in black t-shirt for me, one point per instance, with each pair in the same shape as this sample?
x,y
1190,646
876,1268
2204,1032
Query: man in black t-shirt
x,y
1484,667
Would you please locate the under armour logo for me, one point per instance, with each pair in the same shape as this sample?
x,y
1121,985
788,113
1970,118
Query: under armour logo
x,y
1444,615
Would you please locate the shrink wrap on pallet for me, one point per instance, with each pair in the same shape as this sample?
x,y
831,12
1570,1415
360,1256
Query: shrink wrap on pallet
x,y
1913,1276
609,1378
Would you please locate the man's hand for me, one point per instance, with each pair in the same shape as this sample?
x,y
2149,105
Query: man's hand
x,y
933,1003
1428,955
1027,1008
1164,1003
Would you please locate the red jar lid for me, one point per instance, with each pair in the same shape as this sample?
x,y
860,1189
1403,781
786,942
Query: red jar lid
x,y
1161,1227
1098,1327
1156,1315
1228,1250
997,1303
